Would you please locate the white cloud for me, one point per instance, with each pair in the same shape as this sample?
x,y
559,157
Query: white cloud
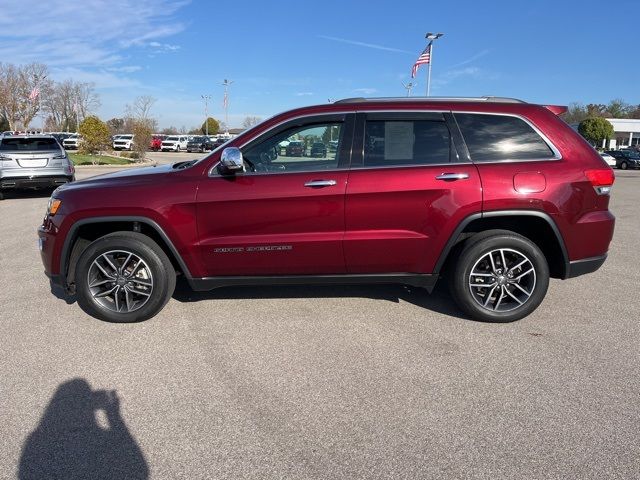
x,y
102,78
472,59
61,33
125,69
366,91
163,47
451,76
304,94
363,44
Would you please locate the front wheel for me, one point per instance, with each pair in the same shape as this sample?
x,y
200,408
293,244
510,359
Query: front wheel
x,y
500,276
124,277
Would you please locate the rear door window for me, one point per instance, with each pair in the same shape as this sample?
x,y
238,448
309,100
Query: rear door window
x,y
391,143
492,138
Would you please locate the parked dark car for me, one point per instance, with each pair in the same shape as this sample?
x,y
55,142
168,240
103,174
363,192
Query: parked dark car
x,y
625,159
198,144
295,149
318,149
494,194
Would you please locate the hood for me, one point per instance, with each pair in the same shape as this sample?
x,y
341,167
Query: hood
x,y
125,177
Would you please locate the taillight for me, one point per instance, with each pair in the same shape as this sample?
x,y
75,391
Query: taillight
x,y
601,179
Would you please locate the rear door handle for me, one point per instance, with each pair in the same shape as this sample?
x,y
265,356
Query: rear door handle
x,y
320,183
452,176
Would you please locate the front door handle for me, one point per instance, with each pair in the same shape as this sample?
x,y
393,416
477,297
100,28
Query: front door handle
x,y
320,183
452,176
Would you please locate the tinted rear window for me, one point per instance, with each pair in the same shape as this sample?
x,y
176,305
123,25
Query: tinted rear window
x,y
412,142
493,138
28,144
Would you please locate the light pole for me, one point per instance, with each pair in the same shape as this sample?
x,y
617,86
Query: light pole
x,y
409,86
225,103
206,99
432,37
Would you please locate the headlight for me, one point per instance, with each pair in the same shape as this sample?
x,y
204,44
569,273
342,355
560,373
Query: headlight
x,y
53,206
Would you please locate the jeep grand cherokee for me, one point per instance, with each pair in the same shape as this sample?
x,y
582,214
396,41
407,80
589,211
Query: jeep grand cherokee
x,y
495,194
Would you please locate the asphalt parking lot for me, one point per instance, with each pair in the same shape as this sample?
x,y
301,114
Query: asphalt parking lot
x,y
321,382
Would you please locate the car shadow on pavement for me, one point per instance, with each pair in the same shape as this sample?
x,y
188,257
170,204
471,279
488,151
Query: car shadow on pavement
x,y
18,194
82,435
438,301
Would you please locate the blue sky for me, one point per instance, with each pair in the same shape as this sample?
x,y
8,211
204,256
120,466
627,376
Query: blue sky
x,y
284,54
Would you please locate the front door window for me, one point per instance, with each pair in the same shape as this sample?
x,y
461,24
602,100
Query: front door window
x,y
301,149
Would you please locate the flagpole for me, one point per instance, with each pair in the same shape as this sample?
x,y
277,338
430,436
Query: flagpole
x,y
431,37
429,71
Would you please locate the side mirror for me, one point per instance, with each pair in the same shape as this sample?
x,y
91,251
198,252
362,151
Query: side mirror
x,y
231,159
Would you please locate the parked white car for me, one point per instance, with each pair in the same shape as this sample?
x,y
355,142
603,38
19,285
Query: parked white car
x,y
175,143
72,142
123,142
609,159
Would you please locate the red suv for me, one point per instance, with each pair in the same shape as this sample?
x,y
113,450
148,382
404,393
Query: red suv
x,y
494,194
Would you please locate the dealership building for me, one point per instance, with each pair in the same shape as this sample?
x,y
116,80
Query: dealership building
x,y
626,133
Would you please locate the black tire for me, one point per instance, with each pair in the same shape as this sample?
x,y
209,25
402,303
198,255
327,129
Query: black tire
x,y
624,165
162,274
475,254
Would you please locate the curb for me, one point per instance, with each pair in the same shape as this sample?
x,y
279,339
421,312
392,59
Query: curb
x,y
131,165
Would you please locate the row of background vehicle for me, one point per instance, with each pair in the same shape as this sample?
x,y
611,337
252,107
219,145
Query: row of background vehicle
x,y
623,159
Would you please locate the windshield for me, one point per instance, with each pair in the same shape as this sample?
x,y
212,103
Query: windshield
x,y
172,139
28,144
125,137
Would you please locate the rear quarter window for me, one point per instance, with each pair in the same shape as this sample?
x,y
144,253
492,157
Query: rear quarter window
x,y
492,138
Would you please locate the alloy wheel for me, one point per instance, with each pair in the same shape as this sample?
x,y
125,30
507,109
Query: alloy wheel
x,y
502,280
120,281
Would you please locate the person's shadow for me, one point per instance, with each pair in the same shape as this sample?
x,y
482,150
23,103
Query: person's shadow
x,y
82,435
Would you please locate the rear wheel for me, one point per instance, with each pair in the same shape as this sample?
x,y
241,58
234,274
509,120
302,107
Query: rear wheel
x,y
124,277
500,276
624,165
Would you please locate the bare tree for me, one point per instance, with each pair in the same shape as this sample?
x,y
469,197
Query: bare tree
x,y
69,103
142,123
249,122
21,89
141,107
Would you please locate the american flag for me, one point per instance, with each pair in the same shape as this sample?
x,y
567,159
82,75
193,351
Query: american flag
x,y
424,58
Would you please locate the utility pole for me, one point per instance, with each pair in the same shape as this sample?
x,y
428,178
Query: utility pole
x,y
409,86
225,103
206,99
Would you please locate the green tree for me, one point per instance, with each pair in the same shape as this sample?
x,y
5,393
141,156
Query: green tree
x,y
595,130
618,108
214,126
576,112
143,133
116,125
95,135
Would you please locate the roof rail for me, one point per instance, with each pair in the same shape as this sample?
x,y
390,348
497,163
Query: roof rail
x,y
488,99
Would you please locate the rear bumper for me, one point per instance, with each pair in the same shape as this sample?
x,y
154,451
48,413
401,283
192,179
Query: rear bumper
x,y
584,266
33,181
